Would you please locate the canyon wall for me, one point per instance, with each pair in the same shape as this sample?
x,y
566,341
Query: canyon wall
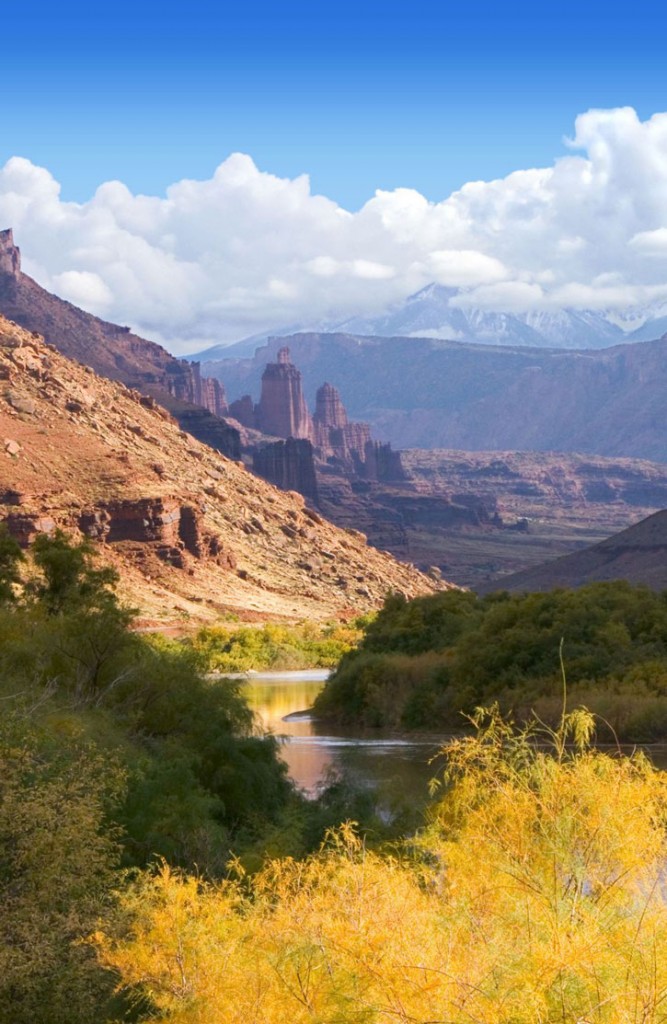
x,y
111,350
289,465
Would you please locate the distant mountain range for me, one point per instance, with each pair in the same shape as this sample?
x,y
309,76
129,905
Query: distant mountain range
x,y
433,313
423,393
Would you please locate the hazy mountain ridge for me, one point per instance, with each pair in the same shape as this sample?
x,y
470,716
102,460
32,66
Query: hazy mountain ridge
x,y
422,393
638,555
439,312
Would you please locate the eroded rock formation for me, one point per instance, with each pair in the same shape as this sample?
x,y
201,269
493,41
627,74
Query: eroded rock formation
x,y
334,435
382,463
10,254
289,465
243,410
329,410
282,409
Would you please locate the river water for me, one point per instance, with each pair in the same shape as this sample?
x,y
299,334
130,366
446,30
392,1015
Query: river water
x,y
395,765
397,768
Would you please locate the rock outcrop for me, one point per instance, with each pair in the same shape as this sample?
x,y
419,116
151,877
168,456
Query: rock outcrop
x,y
282,412
289,465
335,436
173,528
10,255
111,350
330,413
243,410
193,534
382,463
209,429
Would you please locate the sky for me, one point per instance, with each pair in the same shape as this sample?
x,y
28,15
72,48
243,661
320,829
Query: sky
x,y
352,102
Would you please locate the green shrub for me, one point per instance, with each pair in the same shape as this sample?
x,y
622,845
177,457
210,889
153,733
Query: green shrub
x,y
246,648
422,662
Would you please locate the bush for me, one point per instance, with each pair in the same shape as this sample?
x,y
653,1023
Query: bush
x,y
422,662
247,648
535,895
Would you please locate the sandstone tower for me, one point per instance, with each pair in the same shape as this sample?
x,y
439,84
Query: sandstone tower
x,y
282,409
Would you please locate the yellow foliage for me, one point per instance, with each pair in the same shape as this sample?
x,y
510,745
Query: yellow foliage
x,y
536,896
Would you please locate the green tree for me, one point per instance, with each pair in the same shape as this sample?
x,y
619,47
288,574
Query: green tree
x,y
69,581
89,644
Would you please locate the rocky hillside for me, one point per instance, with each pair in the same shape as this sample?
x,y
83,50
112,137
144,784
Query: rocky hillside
x,y
422,393
638,554
194,534
113,351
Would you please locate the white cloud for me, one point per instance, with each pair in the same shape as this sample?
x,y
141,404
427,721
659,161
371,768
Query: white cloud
x,y
464,268
84,288
246,251
651,243
506,297
368,270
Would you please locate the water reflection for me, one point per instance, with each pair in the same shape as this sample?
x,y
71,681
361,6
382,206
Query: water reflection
x,y
388,763
396,767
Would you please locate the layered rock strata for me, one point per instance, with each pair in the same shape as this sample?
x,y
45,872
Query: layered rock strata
x,y
289,465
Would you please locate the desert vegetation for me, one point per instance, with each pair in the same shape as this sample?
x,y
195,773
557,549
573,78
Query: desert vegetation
x,y
535,894
116,749
240,648
157,865
423,662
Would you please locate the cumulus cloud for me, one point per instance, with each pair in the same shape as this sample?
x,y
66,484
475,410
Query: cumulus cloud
x,y
247,251
651,243
461,268
85,289
507,297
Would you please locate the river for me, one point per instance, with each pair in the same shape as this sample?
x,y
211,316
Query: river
x,y
392,765
396,767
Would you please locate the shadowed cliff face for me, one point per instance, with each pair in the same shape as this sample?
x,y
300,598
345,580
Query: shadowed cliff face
x,y
289,465
112,351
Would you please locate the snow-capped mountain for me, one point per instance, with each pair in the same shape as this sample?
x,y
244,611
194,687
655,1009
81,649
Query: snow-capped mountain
x,y
430,313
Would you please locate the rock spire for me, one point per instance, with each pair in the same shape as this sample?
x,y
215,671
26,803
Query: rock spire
x,y
282,409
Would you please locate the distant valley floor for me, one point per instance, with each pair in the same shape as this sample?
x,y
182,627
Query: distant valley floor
x,y
550,504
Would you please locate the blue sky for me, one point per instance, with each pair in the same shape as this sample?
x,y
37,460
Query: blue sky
x,y
358,95
433,134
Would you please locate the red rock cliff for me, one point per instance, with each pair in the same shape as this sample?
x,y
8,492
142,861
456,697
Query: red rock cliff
x,y
10,255
111,350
